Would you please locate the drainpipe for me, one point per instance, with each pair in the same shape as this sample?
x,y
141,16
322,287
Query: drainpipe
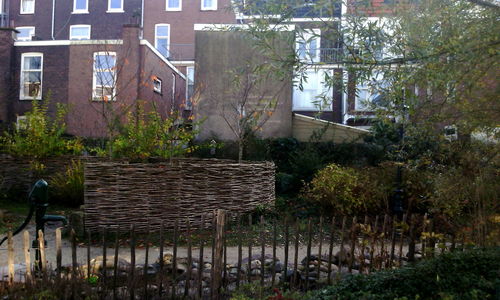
x,y
141,34
53,16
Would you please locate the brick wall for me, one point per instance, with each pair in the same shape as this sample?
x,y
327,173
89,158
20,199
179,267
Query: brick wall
x,y
6,57
104,25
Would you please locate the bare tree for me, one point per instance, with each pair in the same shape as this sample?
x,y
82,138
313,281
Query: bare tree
x,y
248,102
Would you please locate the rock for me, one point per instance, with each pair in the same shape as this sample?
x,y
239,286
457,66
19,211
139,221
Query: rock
x,y
97,265
167,258
343,256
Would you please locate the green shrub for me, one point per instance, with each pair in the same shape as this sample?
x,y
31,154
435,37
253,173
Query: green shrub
x,y
66,188
41,135
473,274
338,189
147,134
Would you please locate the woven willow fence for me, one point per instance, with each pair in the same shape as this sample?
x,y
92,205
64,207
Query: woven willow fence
x,y
149,194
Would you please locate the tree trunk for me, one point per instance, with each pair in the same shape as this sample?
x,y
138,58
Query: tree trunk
x,y
240,151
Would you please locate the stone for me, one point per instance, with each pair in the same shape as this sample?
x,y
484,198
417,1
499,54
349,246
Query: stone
x,y
343,256
97,264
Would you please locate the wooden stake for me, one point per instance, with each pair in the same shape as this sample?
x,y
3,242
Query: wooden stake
x,y
27,255
41,244
221,217
10,250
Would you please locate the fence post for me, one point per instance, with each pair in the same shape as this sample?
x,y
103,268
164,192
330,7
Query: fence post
x,y
27,255
219,236
411,245
41,245
58,252
10,250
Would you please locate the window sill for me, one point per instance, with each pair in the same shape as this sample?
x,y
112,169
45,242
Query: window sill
x,y
173,9
83,12
23,98
27,13
208,9
115,11
311,109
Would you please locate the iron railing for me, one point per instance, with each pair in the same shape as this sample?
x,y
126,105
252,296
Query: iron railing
x,y
331,55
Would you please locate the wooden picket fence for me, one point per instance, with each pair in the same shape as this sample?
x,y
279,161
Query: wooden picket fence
x,y
372,244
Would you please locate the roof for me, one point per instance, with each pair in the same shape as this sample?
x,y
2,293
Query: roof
x,y
304,126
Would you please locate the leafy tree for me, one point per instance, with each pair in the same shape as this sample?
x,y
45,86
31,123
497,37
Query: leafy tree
x,y
434,62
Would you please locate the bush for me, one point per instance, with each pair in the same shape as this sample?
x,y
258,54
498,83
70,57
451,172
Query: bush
x,y
66,188
473,274
339,189
147,134
41,136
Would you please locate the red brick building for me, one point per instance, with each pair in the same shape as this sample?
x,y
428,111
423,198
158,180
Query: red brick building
x,y
82,53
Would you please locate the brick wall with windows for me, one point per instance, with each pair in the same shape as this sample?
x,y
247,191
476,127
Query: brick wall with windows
x,y
103,15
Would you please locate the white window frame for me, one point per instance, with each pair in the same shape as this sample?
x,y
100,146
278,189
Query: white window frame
x,y
81,11
168,37
168,8
307,36
23,12
21,123
1,6
366,104
213,7
94,78
25,27
22,96
323,90
87,37
189,103
115,10
156,89
451,133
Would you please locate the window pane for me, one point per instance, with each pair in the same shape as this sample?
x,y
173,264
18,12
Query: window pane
x,y
103,61
173,3
81,4
32,63
34,76
162,46
207,3
28,5
104,78
162,31
116,4
24,33
79,32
